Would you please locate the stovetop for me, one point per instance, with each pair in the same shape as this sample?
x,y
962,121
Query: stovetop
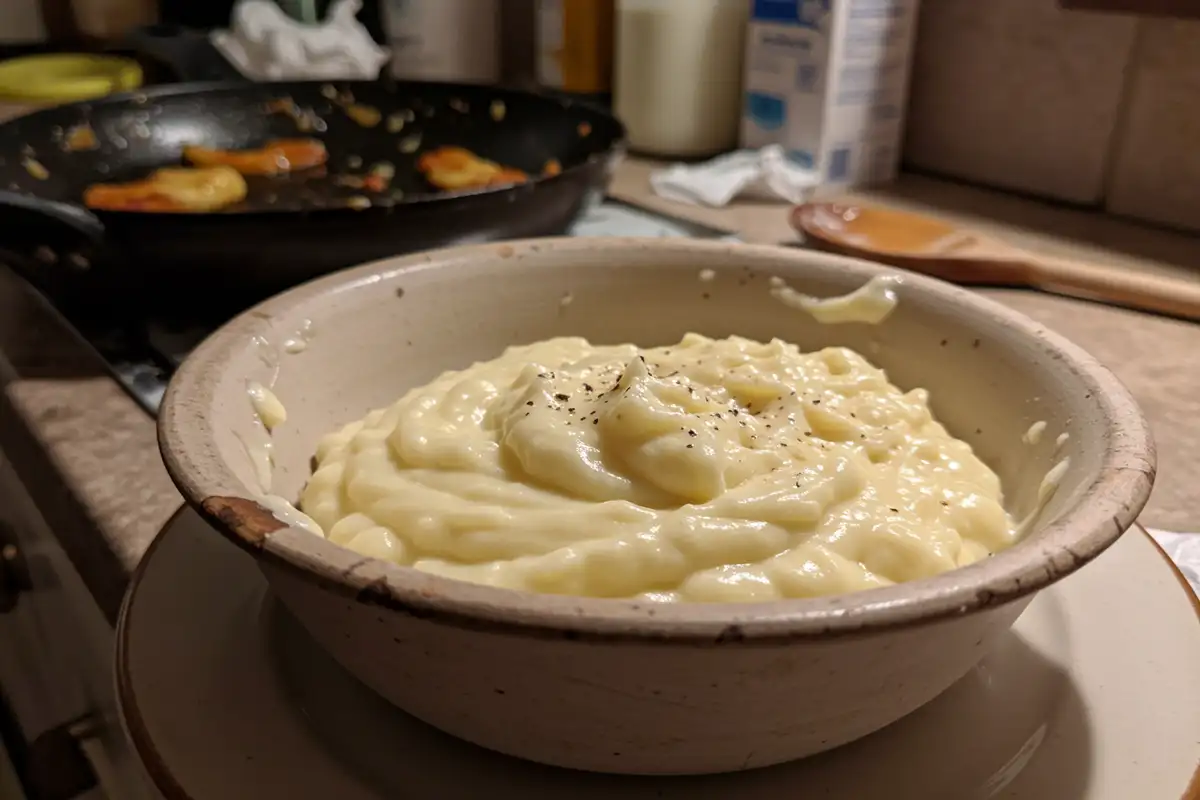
x,y
144,354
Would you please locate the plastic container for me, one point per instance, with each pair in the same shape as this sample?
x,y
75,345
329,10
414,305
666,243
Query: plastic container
x,y
678,75
444,40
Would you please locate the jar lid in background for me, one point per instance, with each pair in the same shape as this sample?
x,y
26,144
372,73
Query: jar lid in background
x,y
66,78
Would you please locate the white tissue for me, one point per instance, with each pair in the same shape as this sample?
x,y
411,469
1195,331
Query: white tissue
x,y
765,173
266,44
1184,550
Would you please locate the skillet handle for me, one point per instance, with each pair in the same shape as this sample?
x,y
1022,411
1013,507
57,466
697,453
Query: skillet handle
x,y
82,221
51,243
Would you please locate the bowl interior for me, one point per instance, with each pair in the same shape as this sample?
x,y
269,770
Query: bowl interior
x,y
382,329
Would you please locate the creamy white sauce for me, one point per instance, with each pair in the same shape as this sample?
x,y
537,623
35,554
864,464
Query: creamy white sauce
x,y
871,303
298,342
269,413
566,299
1046,490
261,455
266,405
726,470
1034,434
269,356
707,275
288,514
1062,439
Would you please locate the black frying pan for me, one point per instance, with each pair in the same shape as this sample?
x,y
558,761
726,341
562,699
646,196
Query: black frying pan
x,y
296,227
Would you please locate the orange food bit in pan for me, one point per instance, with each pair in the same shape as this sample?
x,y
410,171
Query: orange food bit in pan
x,y
280,155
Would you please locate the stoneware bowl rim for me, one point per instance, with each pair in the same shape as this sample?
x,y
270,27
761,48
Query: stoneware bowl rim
x,y
1104,510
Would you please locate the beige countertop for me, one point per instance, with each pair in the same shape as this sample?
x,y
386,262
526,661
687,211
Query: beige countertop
x,y
88,456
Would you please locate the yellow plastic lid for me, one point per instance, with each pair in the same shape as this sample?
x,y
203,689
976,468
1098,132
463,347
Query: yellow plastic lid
x,y
66,78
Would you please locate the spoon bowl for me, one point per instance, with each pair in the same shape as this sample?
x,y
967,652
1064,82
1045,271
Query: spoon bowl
x,y
960,255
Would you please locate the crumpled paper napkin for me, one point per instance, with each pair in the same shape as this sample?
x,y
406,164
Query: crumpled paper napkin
x,y
763,173
1184,550
265,44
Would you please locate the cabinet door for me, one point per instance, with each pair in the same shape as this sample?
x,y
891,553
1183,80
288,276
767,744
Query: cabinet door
x,y
1155,8
56,665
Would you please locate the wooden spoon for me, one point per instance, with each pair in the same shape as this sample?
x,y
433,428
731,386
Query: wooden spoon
x,y
924,244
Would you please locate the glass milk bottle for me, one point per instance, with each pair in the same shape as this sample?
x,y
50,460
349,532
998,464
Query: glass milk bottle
x,y
678,74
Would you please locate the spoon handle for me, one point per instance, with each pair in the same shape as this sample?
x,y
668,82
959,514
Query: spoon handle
x,y
1143,292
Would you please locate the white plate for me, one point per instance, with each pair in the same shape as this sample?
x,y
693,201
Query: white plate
x,y
1095,696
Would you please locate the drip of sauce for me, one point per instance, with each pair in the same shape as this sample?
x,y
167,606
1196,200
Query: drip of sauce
x,y
871,303
881,229
1046,490
266,405
262,459
1061,440
1034,434
268,355
288,514
299,342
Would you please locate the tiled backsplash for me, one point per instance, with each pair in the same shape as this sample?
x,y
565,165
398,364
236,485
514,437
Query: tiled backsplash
x,y
1079,106
1155,172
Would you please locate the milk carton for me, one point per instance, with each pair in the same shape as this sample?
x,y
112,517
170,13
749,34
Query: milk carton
x,y
828,80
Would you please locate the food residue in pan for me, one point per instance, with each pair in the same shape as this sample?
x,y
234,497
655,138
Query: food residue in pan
x,y
498,110
367,116
275,157
410,144
378,178
456,168
214,181
459,105
35,168
172,190
584,129
79,138
307,120
398,119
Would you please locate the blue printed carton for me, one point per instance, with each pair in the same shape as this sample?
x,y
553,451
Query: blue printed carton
x,y
828,81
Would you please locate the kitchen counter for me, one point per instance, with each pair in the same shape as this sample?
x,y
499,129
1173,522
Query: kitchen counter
x,y
87,453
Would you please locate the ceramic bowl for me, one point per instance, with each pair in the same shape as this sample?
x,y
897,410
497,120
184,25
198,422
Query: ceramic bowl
x,y
617,685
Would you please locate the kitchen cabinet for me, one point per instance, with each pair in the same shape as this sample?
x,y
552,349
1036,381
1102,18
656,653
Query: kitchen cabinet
x,y
1154,173
21,21
1154,8
60,725
1018,95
